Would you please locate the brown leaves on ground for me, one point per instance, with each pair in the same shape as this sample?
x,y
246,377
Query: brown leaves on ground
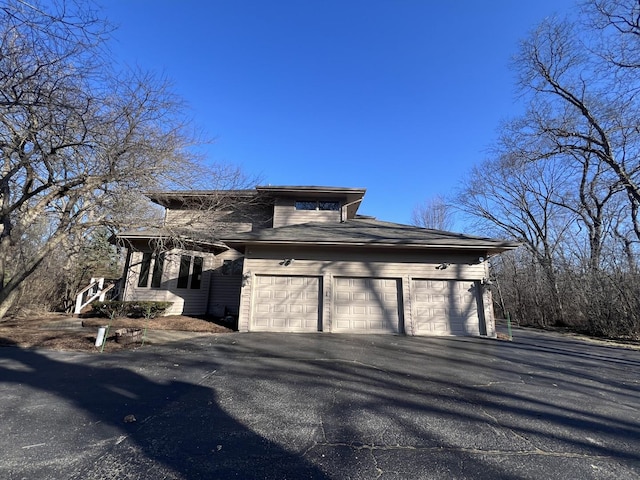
x,y
172,322
61,332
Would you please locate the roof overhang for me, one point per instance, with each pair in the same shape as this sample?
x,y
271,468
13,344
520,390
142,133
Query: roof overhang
x,y
487,249
144,240
313,191
171,199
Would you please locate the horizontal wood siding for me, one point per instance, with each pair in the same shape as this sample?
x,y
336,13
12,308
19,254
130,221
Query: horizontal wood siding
x,y
285,213
360,262
206,221
238,220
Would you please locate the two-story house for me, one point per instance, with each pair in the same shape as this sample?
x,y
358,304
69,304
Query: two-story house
x,y
300,259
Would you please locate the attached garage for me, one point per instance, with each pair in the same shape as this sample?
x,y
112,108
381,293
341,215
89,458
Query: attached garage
x,y
286,303
365,276
365,305
445,307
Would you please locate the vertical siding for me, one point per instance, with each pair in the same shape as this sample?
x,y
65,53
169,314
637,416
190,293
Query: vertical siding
x,y
246,299
406,298
225,289
489,315
327,296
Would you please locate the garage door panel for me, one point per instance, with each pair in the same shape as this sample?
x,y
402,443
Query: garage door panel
x,y
286,303
365,305
444,307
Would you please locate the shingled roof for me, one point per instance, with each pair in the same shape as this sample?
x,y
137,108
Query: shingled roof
x,y
366,232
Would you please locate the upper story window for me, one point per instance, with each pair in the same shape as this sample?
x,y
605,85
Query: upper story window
x,y
317,205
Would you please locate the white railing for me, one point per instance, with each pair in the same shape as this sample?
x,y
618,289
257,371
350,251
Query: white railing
x,y
94,291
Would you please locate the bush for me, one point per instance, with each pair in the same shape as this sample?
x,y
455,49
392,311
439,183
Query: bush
x,y
129,309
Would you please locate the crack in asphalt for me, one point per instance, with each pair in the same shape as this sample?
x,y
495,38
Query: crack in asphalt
x,y
379,471
474,451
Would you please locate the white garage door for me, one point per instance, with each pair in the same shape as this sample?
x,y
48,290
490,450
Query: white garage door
x,y
285,304
444,307
365,305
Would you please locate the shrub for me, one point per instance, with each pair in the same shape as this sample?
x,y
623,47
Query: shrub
x,y
130,309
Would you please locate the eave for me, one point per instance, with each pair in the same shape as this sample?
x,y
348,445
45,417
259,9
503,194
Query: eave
x,y
488,249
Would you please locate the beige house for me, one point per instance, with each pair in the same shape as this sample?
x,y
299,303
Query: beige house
x,y
300,259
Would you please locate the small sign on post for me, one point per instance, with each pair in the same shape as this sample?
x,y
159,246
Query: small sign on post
x,y
100,338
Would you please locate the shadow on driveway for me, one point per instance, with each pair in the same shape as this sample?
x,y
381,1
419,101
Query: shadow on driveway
x,y
315,406
180,430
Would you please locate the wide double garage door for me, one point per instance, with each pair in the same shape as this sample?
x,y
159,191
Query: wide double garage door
x,y
364,305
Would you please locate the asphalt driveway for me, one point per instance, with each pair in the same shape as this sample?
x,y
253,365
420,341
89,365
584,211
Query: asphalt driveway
x,y
255,406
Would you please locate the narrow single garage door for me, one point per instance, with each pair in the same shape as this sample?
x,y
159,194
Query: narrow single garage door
x,y
285,304
365,305
444,307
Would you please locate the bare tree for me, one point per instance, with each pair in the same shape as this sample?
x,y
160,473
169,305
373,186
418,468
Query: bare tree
x,y
514,197
434,213
617,27
79,141
564,177
584,110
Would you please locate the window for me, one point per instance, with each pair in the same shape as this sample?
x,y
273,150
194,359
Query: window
x,y
306,205
333,206
196,276
145,266
232,267
145,270
183,275
158,268
317,205
185,270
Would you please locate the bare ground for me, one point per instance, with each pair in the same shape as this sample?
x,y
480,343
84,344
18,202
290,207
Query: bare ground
x,y
61,332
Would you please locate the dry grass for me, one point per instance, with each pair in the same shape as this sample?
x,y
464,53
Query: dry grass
x,y
173,322
53,331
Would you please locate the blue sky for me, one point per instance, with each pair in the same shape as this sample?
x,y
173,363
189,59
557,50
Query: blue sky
x,y
401,97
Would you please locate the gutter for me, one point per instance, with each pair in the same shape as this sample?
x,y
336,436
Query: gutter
x,y
373,245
